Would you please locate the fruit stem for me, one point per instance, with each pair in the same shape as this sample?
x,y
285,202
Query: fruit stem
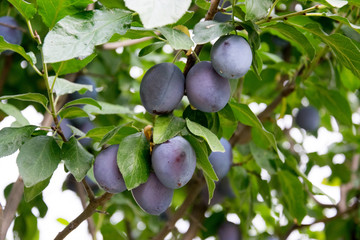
x,y
272,8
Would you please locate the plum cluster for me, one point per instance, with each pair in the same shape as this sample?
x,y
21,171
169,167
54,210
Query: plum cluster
x,y
10,31
206,84
308,118
173,162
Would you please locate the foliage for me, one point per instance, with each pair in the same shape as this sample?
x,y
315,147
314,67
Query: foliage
x,y
304,53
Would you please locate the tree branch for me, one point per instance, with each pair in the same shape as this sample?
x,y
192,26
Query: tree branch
x,y
12,203
197,217
89,210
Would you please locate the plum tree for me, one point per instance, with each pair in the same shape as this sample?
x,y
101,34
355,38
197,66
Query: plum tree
x,y
229,231
162,88
82,79
152,196
221,161
308,118
10,30
106,170
205,89
231,56
174,162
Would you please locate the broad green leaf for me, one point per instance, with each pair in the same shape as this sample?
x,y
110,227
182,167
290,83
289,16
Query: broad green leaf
x,y
158,13
133,159
77,35
151,48
350,81
27,10
209,30
294,36
186,17
342,20
77,160
63,86
211,187
11,138
98,133
38,159
346,51
336,3
106,108
212,140
256,9
72,112
293,194
31,192
31,97
202,157
117,134
30,57
203,4
52,11
167,127
81,101
73,65
263,157
244,115
176,38
13,111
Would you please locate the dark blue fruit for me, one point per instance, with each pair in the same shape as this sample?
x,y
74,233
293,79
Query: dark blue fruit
x,y
84,125
88,94
308,118
174,162
220,16
65,128
106,171
162,88
10,32
70,183
229,231
152,196
231,56
221,161
205,89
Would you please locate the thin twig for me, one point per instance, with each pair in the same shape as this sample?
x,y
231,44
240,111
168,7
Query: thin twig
x,y
88,211
88,190
13,27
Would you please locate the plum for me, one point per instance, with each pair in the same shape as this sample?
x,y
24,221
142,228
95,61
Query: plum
x,y
88,94
308,118
162,88
231,56
106,170
229,231
221,161
10,30
205,89
70,183
220,16
174,162
152,196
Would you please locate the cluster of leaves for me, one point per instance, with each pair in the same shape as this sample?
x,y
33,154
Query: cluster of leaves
x,y
311,54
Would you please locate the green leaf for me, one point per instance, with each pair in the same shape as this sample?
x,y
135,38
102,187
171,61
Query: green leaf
x,y
38,159
211,187
158,13
107,108
63,86
27,10
73,65
202,156
293,194
63,221
256,9
11,138
346,51
77,35
203,4
186,17
151,48
294,36
176,38
77,160
30,57
98,133
262,158
198,130
244,115
31,192
52,11
80,101
13,111
349,80
167,127
72,112
115,135
133,159
31,97
209,30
